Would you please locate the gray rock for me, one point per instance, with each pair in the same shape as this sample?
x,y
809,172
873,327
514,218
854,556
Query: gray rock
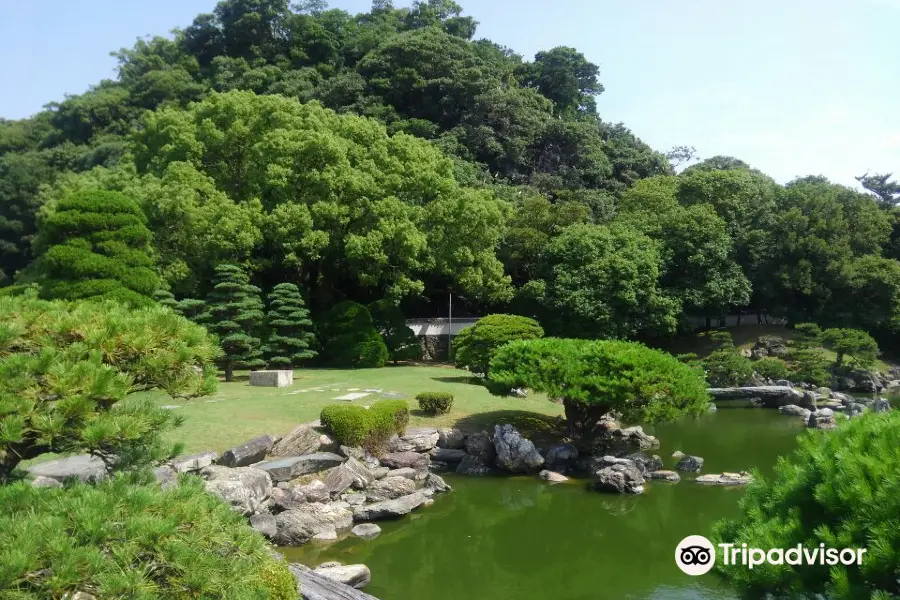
x,y
329,535
315,491
315,586
794,411
300,440
742,478
515,453
784,383
436,484
389,509
83,467
771,396
166,477
40,481
821,419
473,466
285,469
298,525
518,393
327,444
265,524
646,463
690,464
552,476
382,472
248,453
398,460
881,405
678,455
79,596
447,455
615,440
289,498
450,438
194,462
664,475
407,472
561,457
350,474
390,488
353,452
621,478
366,531
480,446
356,576
245,489
419,439
354,498
712,407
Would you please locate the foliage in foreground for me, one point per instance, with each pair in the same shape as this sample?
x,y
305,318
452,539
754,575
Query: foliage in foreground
x,y
593,378
64,367
839,488
435,403
475,346
349,338
121,540
354,425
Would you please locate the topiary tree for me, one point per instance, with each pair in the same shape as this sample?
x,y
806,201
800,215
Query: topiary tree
x,y
167,299
400,340
121,540
235,314
593,378
475,346
806,335
771,367
725,366
839,490
95,244
349,338
192,308
858,345
64,367
290,337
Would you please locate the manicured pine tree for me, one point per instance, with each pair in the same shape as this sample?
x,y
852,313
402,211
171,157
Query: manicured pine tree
x,y
291,337
235,314
192,308
165,298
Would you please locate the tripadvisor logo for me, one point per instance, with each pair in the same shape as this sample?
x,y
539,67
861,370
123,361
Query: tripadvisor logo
x,y
696,555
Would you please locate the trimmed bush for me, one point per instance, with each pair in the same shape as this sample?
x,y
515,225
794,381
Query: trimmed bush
x,y
475,346
398,410
349,423
370,428
120,539
837,489
435,403
349,338
771,367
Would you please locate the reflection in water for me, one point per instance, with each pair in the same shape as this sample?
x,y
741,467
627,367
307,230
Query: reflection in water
x,y
520,538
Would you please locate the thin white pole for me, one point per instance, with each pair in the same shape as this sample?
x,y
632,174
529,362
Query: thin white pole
x,y
450,326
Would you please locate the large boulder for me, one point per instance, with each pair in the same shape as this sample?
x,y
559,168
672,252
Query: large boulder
x,y
821,419
480,446
83,467
247,453
690,464
356,576
398,460
552,476
301,440
451,438
447,455
265,524
315,586
419,439
515,453
390,488
245,489
771,396
561,457
299,525
645,463
794,411
473,466
620,478
366,531
881,405
350,474
389,509
436,484
285,469
618,441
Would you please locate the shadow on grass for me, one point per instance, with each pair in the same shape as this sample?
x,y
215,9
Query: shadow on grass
x,y
469,379
535,426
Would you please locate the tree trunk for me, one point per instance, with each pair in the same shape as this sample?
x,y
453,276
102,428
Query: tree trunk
x,y
582,419
229,371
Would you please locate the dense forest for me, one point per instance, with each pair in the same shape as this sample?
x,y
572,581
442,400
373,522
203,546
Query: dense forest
x,y
393,155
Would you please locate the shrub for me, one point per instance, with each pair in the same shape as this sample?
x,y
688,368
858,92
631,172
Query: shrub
x,y
838,489
594,378
349,423
809,365
349,338
475,347
858,345
727,367
397,410
435,403
806,336
371,428
119,539
771,367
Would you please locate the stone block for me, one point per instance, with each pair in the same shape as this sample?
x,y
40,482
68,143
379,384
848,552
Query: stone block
x,y
276,378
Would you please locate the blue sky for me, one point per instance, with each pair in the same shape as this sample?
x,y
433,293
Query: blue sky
x,y
793,87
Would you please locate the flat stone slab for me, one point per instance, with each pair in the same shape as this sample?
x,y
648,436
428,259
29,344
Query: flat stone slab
x,y
285,469
274,378
83,466
315,586
389,509
772,396
742,478
351,396
248,453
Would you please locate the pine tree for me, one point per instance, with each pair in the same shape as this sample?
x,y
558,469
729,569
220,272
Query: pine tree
x,y
192,308
235,314
400,340
165,298
291,338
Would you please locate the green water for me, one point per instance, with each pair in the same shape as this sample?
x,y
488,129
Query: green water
x,y
519,538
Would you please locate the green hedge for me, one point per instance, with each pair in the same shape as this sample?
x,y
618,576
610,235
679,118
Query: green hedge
x,y
120,539
435,403
354,425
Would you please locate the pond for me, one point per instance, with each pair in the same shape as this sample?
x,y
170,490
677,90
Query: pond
x,y
520,538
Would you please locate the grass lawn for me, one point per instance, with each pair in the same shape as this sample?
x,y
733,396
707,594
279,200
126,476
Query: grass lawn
x,y
238,412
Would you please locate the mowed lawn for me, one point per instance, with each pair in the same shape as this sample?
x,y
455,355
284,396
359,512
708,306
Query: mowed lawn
x,y
238,412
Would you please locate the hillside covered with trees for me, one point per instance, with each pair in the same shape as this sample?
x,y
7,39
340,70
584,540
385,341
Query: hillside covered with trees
x,y
394,154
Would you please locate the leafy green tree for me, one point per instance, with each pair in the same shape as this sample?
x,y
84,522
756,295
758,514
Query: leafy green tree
x,y
96,244
594,378
400,340
67,369
475,346
291,339
349,338
603,281
858,345
567,78
57,543
883,186
813,499
234,312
